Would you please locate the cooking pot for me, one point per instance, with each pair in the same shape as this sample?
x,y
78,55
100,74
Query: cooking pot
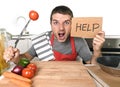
x,y
110,64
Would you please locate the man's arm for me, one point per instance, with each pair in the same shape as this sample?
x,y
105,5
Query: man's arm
x,y
13,54
98,42
25,55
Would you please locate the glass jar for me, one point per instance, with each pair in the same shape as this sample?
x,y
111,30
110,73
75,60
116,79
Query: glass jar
x,y
3,43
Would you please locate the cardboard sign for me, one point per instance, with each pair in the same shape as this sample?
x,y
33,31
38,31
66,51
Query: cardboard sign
x,y
86,27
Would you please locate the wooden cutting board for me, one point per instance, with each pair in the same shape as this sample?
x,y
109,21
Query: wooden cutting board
x,y
58,74
62,74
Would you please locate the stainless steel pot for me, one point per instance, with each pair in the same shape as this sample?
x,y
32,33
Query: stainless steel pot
x,y
110,64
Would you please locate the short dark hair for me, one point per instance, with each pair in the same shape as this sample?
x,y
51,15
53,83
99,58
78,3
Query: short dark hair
x,y
62,10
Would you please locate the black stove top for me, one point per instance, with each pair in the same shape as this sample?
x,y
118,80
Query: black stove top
x,y
110,47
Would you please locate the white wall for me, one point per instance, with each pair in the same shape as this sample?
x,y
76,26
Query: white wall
x,y
10,10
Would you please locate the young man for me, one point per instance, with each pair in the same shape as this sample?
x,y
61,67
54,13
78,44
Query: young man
x,y
64,46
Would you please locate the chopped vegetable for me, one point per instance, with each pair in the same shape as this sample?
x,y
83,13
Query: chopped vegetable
x,y
32,66
23,62
20,83
33,15
28,73
17,69
16,76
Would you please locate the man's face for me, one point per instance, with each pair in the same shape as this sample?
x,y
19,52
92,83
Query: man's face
x,y
61,26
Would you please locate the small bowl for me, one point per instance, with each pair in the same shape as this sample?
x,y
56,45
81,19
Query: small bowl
x,y
110,64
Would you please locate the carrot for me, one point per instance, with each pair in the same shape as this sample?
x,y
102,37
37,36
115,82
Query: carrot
x,y
20,83
16,76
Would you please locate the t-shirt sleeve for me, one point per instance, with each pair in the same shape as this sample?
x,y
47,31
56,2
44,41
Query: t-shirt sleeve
x,y
83,49
32,51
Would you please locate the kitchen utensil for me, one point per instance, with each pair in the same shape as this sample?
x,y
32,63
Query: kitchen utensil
x,y
33,15
16,42
110,64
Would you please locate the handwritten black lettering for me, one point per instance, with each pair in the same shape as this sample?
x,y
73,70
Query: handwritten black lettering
x,y
87,27
84,27
95,26
78,26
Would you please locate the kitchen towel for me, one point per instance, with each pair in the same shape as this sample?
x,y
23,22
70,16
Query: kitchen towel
x,y
42,46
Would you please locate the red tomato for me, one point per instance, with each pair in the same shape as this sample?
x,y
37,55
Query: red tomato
x,y
32,66
28,73
33,15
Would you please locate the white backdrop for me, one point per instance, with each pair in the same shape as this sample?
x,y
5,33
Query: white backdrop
x,y
11,10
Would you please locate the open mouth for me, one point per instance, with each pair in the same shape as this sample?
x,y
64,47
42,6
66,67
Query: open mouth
x,y
61,36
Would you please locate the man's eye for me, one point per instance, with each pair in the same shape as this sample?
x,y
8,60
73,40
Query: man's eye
x,y
55,23
66,22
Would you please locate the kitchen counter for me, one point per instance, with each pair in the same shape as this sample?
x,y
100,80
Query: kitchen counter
x,y
111,81
58,74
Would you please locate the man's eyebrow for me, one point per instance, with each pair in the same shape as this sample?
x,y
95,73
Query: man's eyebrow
x,y
68,20
65,20
54,20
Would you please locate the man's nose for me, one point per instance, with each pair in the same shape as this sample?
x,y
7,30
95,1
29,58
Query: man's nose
x,y
61,26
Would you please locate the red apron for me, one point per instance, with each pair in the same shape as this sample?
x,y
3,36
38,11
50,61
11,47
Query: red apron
x,y
65,57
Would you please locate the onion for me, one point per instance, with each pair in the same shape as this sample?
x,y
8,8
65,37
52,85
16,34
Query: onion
x,y
17,69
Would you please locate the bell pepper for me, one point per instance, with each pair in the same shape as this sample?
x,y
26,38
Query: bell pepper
x,y
23,62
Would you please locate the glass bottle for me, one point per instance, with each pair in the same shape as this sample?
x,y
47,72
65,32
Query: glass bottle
x,y
3,44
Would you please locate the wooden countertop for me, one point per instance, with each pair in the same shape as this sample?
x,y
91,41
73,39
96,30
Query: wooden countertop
x,y
59,74
112,81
